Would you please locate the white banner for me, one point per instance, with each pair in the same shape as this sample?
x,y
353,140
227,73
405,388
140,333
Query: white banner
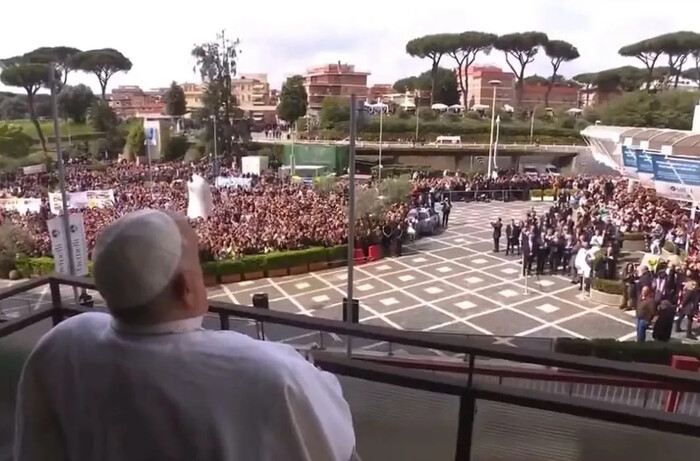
x,y
77,242
21,205
34,169
81,200
231,181
200,202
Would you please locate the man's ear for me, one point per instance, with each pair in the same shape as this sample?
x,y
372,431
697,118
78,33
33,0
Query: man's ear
x,y
179,286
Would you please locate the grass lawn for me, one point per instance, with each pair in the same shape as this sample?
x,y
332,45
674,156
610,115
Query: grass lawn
x,y
67,128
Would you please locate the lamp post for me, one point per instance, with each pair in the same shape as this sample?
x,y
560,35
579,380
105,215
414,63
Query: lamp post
x,y
532,123
494,84
415,103
381,129
495,145
216,150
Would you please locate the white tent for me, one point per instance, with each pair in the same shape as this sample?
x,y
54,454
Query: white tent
x,y
439,106
480,107
408,105
456,108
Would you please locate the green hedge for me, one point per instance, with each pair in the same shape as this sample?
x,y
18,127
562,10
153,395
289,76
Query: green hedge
x,y
611,287
626,351
35,267
671,248
633,236
537,193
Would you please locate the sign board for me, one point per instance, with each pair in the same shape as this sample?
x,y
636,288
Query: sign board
x,y
76,242
231,181
645,166
21,205
34,169
676,178
151,136
629,162
81,200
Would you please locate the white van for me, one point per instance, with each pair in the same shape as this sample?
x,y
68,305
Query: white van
x,y
535,170
448,141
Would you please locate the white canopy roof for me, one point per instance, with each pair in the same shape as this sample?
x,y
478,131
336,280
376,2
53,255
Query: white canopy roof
x,y
439,106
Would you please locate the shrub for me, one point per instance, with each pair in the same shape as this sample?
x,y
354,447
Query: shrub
x,y
611,287
626,351
14,142
537,193
14,241
175,148
337,253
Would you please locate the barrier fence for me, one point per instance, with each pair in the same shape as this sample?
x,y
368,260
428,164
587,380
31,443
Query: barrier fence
x,y
409,414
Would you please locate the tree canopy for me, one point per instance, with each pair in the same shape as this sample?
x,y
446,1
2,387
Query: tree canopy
x,y
74,102
61,56
334,110
31,76
432,47
14,142
678,46
520,50
444,83
104,63
175,102
293,100
464,48
558,52
668,109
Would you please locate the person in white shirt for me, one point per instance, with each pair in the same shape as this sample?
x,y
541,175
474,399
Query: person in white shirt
x,y
147,382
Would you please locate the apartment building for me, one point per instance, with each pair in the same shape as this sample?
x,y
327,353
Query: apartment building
x,y
251,90
334,80
131,101
379,91
194,94
480,91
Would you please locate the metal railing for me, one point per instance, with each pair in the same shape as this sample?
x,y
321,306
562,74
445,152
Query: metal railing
x,y
474,429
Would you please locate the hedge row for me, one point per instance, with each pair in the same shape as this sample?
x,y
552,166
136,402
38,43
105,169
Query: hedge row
x,y
35,267
538,193
671,248
611,287
626,351
431,136
456,128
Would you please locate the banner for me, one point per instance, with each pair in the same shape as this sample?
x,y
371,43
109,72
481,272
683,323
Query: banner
x,y
34,169
76,243
200,202
21,205
81,200
645,166
676,178
629,162
231,181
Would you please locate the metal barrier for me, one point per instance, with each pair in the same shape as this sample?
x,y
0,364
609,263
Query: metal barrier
x,y
474,430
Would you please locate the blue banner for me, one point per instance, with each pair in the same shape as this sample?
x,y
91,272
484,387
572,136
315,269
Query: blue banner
x,y
644,162
629,157
676,171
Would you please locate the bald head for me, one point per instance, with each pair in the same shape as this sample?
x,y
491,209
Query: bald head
x,y
145,258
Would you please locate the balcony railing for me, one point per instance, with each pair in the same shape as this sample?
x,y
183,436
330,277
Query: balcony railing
x,y
412,414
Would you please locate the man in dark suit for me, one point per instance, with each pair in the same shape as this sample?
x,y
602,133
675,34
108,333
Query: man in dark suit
x,y
529,248
497,226
509,237
645,280
664,322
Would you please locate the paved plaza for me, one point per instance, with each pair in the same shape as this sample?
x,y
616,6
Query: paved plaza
x,y
451,283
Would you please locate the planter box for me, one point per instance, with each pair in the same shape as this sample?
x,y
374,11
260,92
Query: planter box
x,y
319,266
605,298
633,245
210,280
230,278
338,263
538,199
277,272
254,275
296,270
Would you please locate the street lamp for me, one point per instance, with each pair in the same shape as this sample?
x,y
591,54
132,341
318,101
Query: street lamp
x,y
216,151
494,84
381,129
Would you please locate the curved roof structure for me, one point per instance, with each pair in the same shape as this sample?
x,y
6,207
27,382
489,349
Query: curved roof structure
x,y
678,141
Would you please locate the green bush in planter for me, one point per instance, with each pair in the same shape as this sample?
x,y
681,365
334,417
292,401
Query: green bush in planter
x,y
535,193
633,236
549,193
337,253
611,287
626,351
210,268
230,266
671,248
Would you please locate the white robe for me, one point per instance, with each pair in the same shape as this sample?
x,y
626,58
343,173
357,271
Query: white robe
x,y
96,390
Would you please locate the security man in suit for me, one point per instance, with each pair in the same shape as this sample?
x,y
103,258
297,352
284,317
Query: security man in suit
x,y
497,226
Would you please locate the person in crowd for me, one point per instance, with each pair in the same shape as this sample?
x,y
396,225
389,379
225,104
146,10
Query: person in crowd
x,y
446,208
629,293
646,309
509,237
688,308
146,381
663,326
497,226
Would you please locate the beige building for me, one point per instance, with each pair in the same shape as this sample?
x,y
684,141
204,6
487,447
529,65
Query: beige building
x,y
251,90
194,93
334,80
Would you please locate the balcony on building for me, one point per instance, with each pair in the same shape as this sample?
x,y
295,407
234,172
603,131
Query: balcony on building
x,y
334,80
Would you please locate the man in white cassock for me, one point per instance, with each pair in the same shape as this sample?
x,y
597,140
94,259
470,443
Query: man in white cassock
x,y
147,382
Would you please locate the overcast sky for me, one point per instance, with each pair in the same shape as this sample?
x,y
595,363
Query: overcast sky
x,y
282,38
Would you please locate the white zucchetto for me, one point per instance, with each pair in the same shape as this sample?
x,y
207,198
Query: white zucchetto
x,y
136,258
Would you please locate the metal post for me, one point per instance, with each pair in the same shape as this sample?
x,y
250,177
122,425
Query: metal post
x,y
381,126
493,121
61,173
691,224
465,428
291,156
351,215
532,123
495,145
216,151
150,167
417,117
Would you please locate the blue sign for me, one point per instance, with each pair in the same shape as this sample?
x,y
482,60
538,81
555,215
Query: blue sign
x,y
150,134
629,157
644,161
676,171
